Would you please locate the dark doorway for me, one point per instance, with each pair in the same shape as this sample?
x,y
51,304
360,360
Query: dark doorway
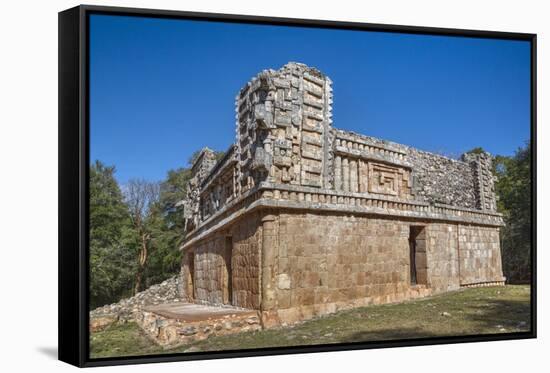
x,y
418,263
228,254
191,276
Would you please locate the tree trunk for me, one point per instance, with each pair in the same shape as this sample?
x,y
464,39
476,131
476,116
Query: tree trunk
x,y
141,263
137,284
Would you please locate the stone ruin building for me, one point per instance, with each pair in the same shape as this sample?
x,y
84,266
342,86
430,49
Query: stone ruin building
x,y
301,219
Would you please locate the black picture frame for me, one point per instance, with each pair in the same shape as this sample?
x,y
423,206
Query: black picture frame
x,y
73,182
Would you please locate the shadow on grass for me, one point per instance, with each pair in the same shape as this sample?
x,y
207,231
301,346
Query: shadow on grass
x,y
489,317
512,315
388,334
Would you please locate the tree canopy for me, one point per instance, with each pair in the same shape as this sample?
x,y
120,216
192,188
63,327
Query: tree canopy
x,y
136,230
513,189
111,257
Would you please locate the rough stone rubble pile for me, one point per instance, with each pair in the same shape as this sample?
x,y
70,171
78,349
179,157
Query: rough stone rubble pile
x,y
127,309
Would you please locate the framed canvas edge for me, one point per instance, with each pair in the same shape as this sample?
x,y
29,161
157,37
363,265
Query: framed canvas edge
x,y
73,205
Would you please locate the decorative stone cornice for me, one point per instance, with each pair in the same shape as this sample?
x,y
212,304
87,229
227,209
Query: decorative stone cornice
x,y
383,157
291,197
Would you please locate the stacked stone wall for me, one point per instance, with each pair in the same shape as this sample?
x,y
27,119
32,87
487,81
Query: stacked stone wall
x,y
170,332
210,274
315,263
246,262
439,179
238,245
480,259
325,262
321,263
442,257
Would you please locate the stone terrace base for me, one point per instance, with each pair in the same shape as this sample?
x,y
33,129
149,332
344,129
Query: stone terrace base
x,y
483,284
289,316
178,323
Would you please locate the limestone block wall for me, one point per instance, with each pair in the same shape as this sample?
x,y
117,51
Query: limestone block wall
x,y
247,237
326,262
224,267
294,264
442,256
479,249
319,263
210,276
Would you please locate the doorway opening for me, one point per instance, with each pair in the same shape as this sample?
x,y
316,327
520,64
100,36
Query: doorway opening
x,y
191,276
228,254
417,250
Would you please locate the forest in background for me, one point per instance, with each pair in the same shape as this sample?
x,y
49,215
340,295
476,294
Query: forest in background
x,y
137,228
135,231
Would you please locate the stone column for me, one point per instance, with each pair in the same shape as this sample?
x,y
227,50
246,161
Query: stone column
x,y
338,173
363,176
234,181
345,175
269,256
353,183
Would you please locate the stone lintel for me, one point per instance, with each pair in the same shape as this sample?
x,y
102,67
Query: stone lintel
x,y
269,218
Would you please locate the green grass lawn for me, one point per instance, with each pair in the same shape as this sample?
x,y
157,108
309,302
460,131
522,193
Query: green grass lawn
x,y
471,311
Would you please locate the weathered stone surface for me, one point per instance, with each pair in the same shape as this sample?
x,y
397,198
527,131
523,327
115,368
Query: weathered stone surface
x,y
300,219
189,330
181,323
236,248
127,309
271,147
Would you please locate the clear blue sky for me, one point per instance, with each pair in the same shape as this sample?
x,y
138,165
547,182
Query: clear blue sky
x,y
161,89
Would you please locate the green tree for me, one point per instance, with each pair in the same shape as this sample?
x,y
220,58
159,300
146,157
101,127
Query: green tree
x,y
168,227
135,233
166,224
111,266
513,189
173,191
